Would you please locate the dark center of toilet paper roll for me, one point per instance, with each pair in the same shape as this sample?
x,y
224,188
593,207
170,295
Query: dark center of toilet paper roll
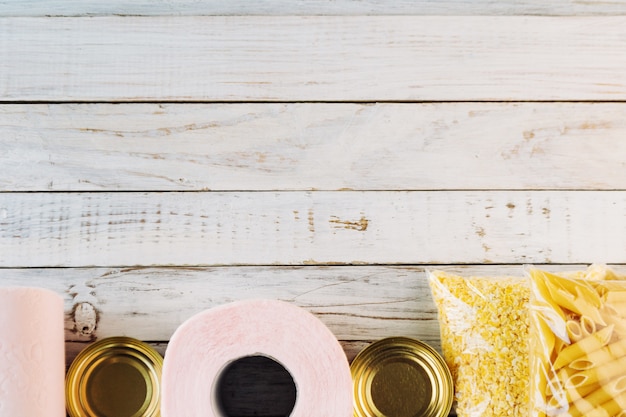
x,y
255,386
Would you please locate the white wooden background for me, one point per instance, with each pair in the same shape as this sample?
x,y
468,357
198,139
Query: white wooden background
x,y
158,158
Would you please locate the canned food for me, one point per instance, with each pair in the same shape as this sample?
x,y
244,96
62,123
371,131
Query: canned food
x,y
115,377
401,377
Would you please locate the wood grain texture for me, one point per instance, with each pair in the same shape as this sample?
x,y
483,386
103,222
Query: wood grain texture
x,y
359,304
169,147
308,7
323,58
284,228
356,303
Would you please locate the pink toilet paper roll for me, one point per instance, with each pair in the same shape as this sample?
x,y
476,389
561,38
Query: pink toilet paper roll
x,y
203,346
32,353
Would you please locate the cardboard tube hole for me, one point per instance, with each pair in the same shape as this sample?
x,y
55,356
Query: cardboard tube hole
x,y
255,386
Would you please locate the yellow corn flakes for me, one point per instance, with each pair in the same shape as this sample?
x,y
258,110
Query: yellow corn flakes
x,y
484,334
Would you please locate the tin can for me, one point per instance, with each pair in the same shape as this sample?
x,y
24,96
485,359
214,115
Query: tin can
x,y
114,377
401,377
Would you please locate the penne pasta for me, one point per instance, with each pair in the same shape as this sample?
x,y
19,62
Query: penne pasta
x,y
574,394
539,380
618,385
600,357
594,272
564,299
600,374
586,307
557,382
612,317
597,272
582,364
579,329
574,330
555,403
555,387
604,287
614,406
588,326
544,297
590,402
599,412
572,411
583,347
577,303
554,407
547,343
620,308
578,344
559,345
572,287
615,297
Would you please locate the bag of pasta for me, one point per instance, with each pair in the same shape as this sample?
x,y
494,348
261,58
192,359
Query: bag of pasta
x,y
578,339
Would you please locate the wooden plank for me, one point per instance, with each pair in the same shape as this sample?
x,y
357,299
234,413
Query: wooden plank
x,y
284,228
359,304
356,303
308,7
104,147
323,58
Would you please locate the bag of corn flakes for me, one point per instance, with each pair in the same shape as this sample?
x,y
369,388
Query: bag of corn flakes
x,y
484,329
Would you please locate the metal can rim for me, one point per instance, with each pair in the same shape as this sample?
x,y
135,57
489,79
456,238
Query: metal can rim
x,y
79,371
388,349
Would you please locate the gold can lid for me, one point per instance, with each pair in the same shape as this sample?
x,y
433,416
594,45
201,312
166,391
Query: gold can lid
x,y
401,377
115,377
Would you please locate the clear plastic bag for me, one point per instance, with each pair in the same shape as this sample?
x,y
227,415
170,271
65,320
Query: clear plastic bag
x,y
578,339
484,334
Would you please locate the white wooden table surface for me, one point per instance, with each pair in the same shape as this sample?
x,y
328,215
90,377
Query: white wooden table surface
x,y
158,158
